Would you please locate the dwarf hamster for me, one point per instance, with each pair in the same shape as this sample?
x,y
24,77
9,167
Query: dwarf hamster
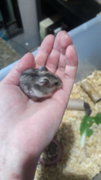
x,y
39,83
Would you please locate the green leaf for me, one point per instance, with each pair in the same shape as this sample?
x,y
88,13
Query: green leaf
x,y
86,123
89,132
98,118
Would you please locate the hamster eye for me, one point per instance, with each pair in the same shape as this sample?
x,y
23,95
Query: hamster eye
x,y
44,82
56,83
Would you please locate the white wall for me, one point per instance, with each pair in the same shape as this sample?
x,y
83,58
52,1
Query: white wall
x,y
29,19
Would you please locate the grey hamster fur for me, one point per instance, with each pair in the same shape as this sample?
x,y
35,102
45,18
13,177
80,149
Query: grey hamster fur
x,y
39,83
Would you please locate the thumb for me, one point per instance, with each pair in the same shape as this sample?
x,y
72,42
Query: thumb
x,y
26,62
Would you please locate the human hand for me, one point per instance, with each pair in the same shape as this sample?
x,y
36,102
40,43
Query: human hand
x,y
26,126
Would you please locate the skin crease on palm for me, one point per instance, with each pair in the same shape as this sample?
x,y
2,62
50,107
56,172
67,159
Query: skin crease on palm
x,y
27,127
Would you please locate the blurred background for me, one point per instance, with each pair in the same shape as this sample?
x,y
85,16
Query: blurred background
x,y
24,23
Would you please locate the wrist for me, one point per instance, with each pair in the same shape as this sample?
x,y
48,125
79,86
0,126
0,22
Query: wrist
x,y
15,165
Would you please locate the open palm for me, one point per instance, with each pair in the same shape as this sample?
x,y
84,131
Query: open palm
x,y
33,124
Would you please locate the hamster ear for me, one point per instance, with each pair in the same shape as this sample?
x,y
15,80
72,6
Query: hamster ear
x,y
43,68
44,81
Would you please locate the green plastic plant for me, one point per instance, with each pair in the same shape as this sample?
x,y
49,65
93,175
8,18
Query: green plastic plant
x,y
86,126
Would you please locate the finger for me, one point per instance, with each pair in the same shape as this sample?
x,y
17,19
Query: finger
x,y
68,62
53,59
71,55
26,62
68,77
44,51
61,65
71,68
61,42
71,62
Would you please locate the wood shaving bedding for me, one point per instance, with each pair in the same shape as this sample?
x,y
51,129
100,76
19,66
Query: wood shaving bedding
x,y
76,163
